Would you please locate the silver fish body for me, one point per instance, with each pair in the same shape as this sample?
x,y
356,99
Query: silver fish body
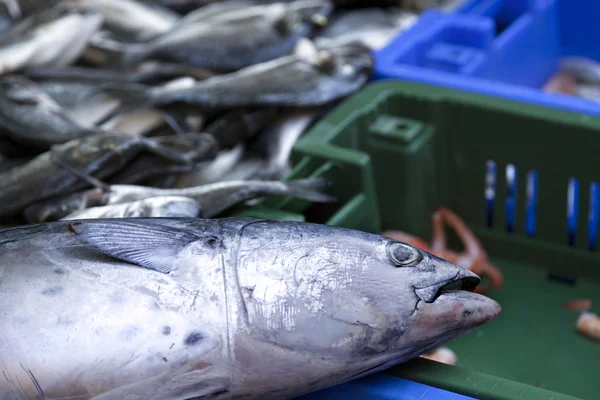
x,y
173,309
83,102
235,38
143,20
280,139
154,207
29,116
212,198
98,156
47,40
322,77
374,27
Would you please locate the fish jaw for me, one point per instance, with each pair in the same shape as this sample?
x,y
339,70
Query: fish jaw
x,y
451,315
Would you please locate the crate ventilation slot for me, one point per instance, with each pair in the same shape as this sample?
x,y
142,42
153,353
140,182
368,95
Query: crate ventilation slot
x,y
593,216
511,197
531,202
572,210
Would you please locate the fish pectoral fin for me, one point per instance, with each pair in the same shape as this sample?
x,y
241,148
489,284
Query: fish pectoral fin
x,y
148,245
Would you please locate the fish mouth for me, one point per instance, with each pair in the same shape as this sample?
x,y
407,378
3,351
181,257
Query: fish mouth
x,y
464,280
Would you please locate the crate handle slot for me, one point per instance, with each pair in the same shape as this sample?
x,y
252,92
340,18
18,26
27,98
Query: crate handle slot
x,y
572,210
490,191
511,196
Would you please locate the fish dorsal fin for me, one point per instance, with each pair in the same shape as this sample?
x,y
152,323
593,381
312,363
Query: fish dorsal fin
x,y
141,243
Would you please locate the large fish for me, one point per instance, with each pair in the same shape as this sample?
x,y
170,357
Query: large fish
x,y
161,309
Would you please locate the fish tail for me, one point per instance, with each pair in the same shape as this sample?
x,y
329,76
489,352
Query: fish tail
x,y
308,189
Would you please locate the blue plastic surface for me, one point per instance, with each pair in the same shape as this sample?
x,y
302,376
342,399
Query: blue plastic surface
x,y
383,387
503,48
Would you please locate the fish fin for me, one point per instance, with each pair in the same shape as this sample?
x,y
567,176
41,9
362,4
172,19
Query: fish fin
x,y
308,189
151,246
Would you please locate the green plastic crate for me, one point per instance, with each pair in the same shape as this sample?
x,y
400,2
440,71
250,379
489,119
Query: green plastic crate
x,y
396,151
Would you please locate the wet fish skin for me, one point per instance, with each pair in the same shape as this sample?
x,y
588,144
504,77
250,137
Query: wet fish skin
x,y
154,207
228,303
99,156
236,39
49,38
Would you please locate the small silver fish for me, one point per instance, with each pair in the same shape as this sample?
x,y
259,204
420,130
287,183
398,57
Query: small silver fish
x,y
155,207
235,38
141,19
423,5
280,138
172,309
583,69
374,27
30,117
47,39
83,102
305,79
213,198
214,172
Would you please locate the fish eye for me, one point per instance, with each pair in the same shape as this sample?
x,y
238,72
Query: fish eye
x,y
404,255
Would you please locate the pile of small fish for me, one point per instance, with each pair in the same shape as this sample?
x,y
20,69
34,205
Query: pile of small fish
x,y
108,107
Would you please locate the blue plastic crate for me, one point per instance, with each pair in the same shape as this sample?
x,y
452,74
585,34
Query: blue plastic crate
x,y
503,48
383,387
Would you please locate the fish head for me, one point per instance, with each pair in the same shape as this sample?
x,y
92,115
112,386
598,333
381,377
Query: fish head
x,y
350,61
352,296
